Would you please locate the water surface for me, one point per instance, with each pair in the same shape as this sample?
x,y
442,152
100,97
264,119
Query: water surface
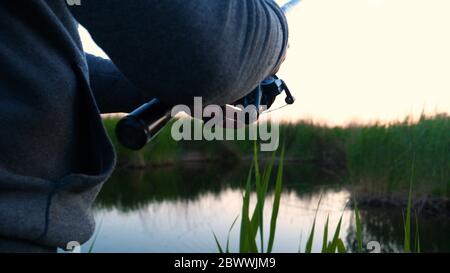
x,y
177,209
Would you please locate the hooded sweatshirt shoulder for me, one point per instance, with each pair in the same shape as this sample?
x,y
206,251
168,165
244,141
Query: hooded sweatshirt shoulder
x,y
54,152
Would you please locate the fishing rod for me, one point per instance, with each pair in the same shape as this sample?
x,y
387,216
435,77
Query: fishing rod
x,y
289,6
139,127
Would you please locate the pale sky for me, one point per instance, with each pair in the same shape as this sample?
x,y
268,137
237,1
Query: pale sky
x,y
365,60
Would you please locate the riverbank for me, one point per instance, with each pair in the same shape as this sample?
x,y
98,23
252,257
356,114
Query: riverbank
x,y
378,162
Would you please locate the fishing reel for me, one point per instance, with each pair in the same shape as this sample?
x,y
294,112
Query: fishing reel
x,y
139,127
263,97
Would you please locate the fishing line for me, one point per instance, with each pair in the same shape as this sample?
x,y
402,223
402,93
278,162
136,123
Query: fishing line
x,y
276,109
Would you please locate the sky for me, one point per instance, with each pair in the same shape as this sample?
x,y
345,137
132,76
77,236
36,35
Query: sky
x,y
361,61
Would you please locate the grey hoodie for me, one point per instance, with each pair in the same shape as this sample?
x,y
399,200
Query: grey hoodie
x,y
54,151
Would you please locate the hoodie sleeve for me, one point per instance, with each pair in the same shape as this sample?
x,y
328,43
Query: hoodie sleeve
x,y
176,50
113,92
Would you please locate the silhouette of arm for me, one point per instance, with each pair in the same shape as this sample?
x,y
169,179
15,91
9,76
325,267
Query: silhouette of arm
x,y
175,50
112,91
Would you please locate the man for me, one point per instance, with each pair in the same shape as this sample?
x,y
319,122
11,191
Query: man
x,y
54,152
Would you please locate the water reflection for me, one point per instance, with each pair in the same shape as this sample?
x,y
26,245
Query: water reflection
x,y
176,209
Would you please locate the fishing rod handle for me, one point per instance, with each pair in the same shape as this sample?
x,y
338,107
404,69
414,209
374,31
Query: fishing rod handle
x,y
139,127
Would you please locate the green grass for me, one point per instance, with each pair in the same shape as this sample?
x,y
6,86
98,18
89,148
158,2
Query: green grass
x,y
333,246
408,220
252,223
375,157
380,156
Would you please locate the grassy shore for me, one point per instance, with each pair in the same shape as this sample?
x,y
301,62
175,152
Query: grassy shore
x,y
372,158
